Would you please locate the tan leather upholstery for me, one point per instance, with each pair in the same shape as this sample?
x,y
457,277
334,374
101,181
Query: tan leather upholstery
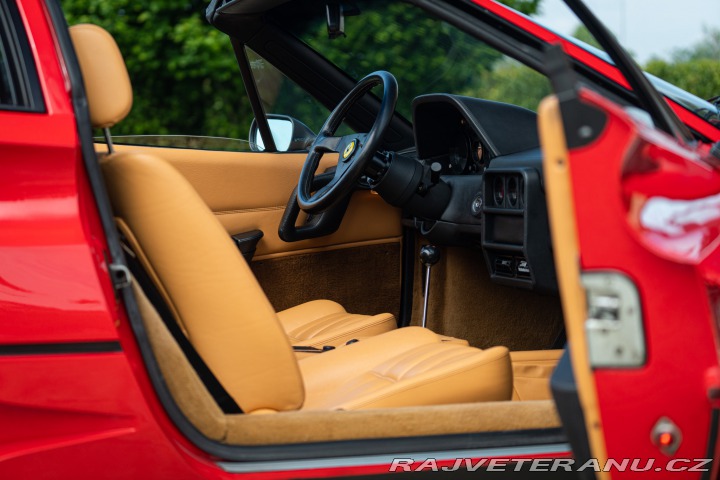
x,y
107,83
531,373
320,425
220,305
233,327
109,93
407,367
324,322
244,202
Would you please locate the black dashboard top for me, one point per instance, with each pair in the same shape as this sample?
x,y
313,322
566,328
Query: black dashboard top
x,y
502,129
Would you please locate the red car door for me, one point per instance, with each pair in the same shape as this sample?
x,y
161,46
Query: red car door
x,y
634,218
73,402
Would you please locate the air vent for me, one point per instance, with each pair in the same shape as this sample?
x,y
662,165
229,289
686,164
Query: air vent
x,y
499,191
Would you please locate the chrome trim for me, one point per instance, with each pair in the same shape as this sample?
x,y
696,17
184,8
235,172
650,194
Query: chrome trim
x,y
359,461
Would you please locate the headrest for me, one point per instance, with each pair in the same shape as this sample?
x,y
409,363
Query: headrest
x,y
107,83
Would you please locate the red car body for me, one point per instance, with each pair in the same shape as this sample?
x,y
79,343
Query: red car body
x,y
76,400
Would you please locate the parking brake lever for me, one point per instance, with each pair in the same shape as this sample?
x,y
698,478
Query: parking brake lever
x,y
429,256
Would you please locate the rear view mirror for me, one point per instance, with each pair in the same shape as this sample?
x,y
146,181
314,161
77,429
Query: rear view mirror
x,y
289,134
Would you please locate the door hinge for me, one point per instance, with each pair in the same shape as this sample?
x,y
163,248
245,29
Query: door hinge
x,y
614,322
120,276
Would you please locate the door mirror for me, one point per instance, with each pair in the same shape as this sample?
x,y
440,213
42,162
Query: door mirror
x,y
290,135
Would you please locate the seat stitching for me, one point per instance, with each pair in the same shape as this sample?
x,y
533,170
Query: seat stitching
x,y
433,358
349,332
411,387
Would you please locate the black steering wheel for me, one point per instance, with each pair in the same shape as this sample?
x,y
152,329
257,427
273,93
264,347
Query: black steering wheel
x,y
355,150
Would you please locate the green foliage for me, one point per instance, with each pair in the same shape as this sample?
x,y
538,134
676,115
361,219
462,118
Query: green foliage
x,y
584,35
527,7
706,49
184,74
186,81
512,82
431,56
700,77
695,69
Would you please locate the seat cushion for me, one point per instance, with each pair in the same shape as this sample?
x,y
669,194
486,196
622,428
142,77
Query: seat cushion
x,y
411,366
324,322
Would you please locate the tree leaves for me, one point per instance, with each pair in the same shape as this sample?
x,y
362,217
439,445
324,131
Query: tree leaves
x,y
695,69
186,80
184,73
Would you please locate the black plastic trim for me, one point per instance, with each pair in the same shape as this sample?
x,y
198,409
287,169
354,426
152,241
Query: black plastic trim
x,y
247,242
407,276
582,123
402,445
502,128
60,348
646,94
253,95
565,394
712,441
515,234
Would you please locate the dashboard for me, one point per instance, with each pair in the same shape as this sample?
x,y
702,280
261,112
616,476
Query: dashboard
x,y
488,153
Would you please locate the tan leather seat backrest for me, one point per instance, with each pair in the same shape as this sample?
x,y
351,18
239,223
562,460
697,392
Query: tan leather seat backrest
x,y
208,284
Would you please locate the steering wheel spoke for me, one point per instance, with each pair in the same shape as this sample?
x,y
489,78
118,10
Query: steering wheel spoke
x,y
323,144
354,151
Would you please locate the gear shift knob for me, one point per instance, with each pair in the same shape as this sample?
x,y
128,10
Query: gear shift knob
x,y
429,255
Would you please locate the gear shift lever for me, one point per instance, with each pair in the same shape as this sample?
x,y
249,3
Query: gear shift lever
x,y
429,256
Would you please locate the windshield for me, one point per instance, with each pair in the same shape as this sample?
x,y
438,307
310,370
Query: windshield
x,y
429,56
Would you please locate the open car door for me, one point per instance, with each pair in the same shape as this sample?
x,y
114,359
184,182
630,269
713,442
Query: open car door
x,y
635,220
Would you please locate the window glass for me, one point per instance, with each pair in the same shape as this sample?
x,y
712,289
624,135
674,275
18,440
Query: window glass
x,y
19,86
186,82
425,54
7,93
281,95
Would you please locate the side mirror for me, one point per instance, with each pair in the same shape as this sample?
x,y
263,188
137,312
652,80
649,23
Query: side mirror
x,y
290,135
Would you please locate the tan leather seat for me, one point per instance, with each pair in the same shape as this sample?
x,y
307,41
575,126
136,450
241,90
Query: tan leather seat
x,y
227,317
324,322
317,323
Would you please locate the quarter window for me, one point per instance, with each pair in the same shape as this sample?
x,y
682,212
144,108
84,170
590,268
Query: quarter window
x,y
19,86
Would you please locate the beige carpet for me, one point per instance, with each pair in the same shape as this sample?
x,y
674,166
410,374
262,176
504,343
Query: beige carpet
x,y
464,303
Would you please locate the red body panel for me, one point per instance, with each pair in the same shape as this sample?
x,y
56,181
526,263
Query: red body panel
x,y
680,340
68,415
96,415
50,290
105,432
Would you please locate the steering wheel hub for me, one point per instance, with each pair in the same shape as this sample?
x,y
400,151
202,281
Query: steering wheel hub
x,y
349,150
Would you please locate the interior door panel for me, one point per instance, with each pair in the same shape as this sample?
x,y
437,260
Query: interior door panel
x,y
249,191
